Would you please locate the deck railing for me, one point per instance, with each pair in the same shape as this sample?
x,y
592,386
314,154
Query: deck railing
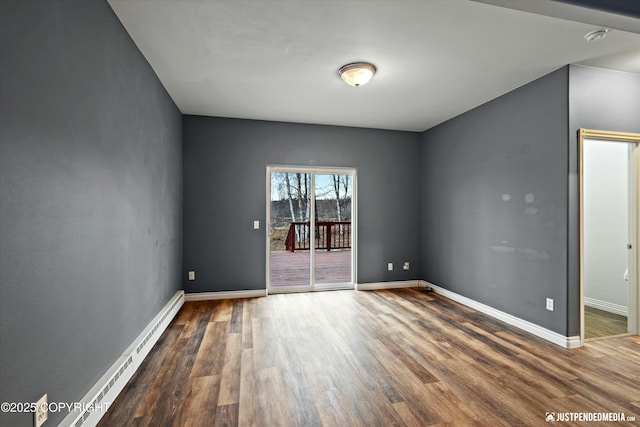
x,y
329,235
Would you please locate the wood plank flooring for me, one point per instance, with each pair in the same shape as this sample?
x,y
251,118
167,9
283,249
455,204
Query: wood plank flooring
x,y
599,323
382,358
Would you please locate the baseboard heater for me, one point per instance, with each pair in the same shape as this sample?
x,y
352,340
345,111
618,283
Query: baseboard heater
x,y
94,403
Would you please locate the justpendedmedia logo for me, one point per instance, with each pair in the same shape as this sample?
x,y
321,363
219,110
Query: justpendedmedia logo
x,y
598,417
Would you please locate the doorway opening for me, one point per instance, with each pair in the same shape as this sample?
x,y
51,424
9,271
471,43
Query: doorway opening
x,y
608,234
311,229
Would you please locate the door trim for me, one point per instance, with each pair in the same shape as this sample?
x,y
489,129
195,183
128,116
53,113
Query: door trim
x,y
313,170
634,297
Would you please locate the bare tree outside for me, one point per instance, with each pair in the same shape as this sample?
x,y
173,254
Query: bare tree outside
x,y
290,202
294,189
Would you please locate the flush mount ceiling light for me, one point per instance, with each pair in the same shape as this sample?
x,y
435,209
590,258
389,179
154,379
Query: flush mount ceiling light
x,y
357,73
595,35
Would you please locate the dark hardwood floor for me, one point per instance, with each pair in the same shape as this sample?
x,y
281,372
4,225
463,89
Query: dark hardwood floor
x,y
599,323
381,358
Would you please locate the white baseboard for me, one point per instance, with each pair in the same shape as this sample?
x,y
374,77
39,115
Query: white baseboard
x,y
551,336
606,306
387,285
573,341
207,296
94,404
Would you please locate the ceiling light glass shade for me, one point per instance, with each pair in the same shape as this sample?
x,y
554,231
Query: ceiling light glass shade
x,y
357,73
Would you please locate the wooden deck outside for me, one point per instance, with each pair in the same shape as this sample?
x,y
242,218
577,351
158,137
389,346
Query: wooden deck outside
x,y
292,268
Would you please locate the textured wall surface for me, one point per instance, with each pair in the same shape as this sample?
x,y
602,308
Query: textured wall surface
x,y
225,163
90,198
494,202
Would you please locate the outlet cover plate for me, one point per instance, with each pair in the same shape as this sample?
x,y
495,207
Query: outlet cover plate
x,y
41,413
549,304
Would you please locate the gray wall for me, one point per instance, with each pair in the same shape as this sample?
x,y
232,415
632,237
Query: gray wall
x,y
90,195
494,202
224,167
598,99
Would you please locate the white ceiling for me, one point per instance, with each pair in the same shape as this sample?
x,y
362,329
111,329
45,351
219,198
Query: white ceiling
x,y
278,60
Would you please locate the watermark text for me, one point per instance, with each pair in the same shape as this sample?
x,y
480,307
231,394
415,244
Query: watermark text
x,y
600,417
53,407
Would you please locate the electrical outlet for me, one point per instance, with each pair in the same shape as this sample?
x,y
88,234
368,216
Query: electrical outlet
x,y
256,225
42,411
192,275
405,267
549,304
390,266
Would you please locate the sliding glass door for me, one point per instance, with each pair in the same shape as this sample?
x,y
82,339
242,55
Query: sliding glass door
x,y
311,230
333,193
289,231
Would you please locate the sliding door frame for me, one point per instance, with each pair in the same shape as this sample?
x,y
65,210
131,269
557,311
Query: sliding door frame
x,y
312,171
